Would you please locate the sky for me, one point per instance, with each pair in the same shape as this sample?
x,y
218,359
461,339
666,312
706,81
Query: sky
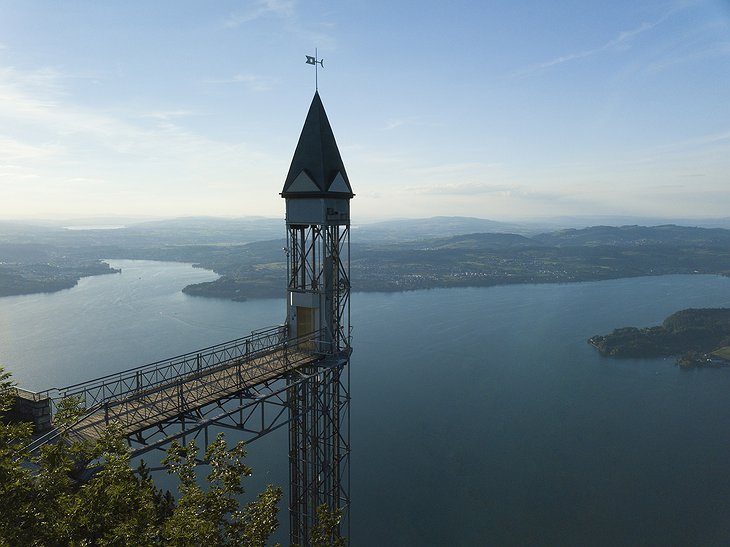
x,y
496,109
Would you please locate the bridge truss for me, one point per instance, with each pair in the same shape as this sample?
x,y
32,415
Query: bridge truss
x,y
253,385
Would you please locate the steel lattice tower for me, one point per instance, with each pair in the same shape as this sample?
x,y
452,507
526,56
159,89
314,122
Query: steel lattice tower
x,y
318,193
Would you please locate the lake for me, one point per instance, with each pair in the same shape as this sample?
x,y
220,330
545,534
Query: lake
x,y
479,416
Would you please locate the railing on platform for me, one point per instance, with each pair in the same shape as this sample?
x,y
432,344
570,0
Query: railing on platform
x,y
197,377
121,385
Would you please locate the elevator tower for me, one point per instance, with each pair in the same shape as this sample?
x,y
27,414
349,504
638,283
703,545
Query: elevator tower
x,y
318,193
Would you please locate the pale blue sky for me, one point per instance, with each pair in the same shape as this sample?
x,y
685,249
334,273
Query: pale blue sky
x,y
494,109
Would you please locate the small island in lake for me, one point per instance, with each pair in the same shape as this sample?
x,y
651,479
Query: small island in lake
x,y
701,337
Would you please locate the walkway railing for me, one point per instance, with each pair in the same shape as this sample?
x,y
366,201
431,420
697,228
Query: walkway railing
x,y
122,385
153,394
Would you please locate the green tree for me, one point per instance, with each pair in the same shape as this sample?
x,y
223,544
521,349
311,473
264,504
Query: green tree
x,y
46,504
212,516
15,487
325,532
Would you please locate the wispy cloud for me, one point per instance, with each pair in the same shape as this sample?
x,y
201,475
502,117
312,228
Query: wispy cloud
x,y
30,91
720,49
167,115
285,13
251,81
452,169
35,100
622,41
12,150
395,123
48,140
465,189
713,138
261,8
706,143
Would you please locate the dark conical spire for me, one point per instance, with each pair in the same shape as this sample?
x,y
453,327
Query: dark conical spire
x,y
316,169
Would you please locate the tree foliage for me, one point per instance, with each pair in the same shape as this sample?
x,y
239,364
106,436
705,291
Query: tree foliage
x,y
45,503
326,531
87,494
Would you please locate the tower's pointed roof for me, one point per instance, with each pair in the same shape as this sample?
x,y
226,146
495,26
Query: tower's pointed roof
x,y
316,169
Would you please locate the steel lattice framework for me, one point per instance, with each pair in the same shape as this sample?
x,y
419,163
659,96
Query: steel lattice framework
x,y
319,445
319,262
241,384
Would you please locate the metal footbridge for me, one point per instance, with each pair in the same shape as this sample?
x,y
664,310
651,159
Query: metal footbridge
x,y
239,384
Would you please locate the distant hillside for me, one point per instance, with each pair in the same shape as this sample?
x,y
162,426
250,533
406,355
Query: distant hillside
x,y
588,254
429,228
551,224
256,268
636,236
478,241
442,226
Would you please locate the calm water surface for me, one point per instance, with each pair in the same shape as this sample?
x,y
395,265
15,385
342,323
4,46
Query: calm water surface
x,y
479,416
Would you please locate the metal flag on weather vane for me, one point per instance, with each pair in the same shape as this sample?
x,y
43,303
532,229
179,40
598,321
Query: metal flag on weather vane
x,y
314,61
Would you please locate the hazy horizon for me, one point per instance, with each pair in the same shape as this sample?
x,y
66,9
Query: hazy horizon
x,y
125,221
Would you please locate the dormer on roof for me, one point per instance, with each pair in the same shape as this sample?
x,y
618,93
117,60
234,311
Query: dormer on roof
x,y
316,169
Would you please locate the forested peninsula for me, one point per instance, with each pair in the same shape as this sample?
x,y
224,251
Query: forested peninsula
x,y
700,337
485,259
20,278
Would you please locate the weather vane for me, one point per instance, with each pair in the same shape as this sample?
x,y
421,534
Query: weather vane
x,y
314,61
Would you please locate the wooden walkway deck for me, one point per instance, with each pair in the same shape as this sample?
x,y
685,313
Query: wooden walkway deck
x,y
150,407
